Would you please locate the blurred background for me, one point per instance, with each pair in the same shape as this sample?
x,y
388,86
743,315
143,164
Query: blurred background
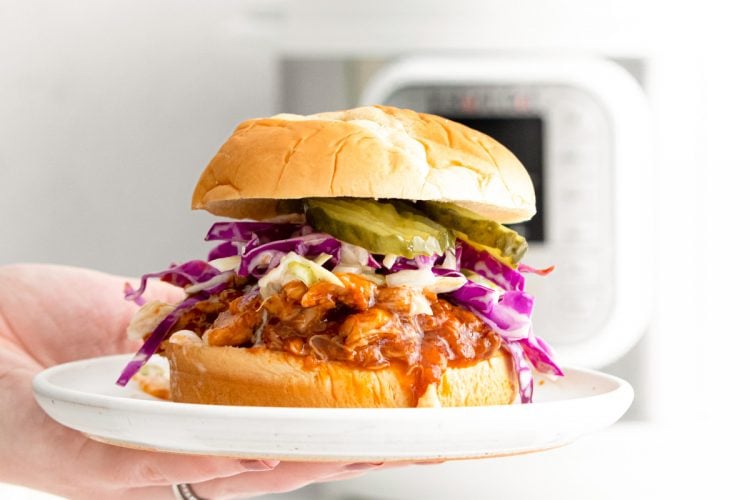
x,y
630,115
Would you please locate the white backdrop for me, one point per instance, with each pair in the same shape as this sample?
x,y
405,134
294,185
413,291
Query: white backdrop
x,y
109,111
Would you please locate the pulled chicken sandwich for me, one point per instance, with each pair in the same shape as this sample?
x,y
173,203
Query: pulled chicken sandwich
x,y
364,264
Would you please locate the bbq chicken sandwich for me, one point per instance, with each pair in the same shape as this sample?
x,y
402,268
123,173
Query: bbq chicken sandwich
x,y
361,261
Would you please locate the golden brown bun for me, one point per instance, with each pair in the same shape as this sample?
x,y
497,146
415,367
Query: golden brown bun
x,y
368,152
262,377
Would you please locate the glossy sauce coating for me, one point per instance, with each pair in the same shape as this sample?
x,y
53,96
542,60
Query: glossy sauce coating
x,y
360,324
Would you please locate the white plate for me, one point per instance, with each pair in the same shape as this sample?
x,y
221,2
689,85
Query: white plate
x,y
82,395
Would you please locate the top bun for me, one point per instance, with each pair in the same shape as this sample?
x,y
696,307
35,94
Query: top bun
x,y
368,152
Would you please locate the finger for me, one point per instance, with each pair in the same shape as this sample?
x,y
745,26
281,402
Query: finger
x,y
406,463
349,474
90,321
250,483
126,467
159,290
287,476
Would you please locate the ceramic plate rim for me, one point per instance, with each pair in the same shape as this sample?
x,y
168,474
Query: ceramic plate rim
x,y
74,395
43,386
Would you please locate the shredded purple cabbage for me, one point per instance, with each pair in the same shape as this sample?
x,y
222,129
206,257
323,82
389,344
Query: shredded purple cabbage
x,y
258,260
244,232
508,312
372,261
261,246
540,354
128,290
222,250
421,261
487,266
151,344
189,273
523,371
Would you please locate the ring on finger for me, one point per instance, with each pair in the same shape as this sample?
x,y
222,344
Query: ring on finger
x,y
184,491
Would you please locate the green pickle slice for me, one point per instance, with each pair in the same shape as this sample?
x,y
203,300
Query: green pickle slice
x,y
378,226
487,233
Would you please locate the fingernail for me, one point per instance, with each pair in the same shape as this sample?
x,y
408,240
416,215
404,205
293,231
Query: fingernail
x,y
364,466
259,465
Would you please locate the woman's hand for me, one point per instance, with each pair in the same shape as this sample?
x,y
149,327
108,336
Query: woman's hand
x,y
50,315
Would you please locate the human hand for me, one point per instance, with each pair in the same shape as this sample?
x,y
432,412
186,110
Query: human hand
x,y
51,315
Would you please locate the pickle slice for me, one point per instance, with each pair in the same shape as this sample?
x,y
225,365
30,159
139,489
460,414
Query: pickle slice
x,y
291,206
487,233
378,226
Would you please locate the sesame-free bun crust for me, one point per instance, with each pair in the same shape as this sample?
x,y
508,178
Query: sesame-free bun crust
x,y
262,377
367,152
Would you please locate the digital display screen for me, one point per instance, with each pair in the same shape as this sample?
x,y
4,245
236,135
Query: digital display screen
x,y
524,137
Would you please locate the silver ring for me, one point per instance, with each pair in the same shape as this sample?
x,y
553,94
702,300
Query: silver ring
x,y
184,491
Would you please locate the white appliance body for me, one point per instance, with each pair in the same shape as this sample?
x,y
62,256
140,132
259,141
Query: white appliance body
x,y
585,137
615,220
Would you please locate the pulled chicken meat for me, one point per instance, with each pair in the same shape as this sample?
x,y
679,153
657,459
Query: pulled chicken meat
x,y
360,323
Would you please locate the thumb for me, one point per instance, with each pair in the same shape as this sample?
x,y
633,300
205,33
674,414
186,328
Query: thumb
x,y
156,290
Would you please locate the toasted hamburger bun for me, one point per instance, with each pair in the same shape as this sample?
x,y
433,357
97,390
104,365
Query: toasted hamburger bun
x,y
368,152
261,377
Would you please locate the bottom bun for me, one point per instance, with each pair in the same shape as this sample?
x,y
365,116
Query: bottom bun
x,y
261,377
